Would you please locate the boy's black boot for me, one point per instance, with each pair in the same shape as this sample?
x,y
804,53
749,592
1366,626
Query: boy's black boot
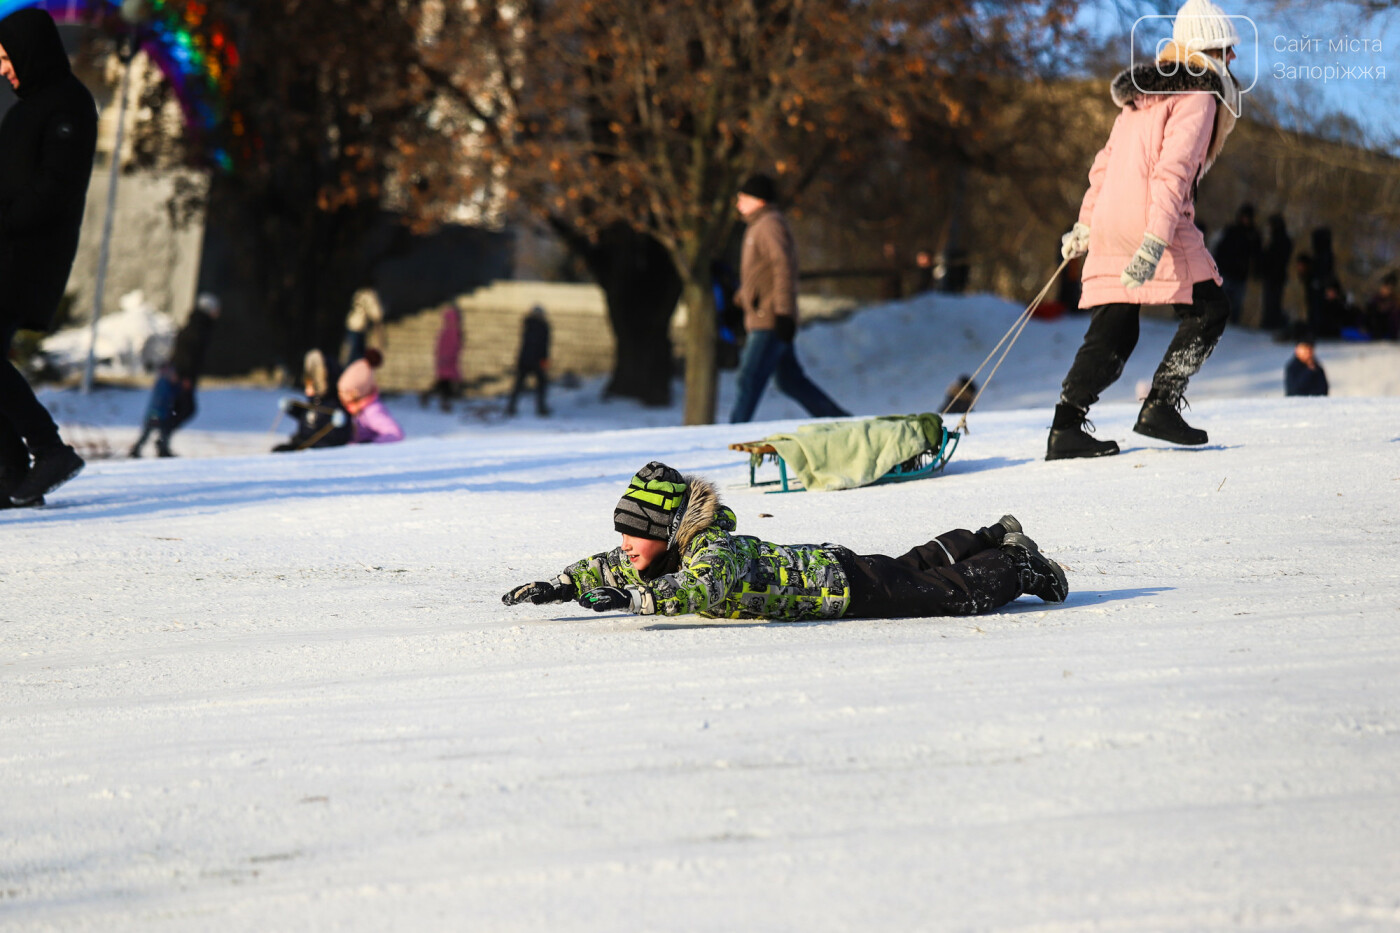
x,y
1160,418
1040,576
994,534
1070,437
52,468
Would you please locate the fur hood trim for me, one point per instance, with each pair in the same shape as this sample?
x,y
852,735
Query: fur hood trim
x,y
1181,71
701,511
1133,84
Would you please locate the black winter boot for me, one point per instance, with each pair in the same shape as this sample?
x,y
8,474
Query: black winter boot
x,y
52,468
1040,576
9,479
995,533
1161,419
1069,437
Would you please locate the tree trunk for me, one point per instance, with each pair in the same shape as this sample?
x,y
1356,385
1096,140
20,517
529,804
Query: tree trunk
x,y
701,377
642,287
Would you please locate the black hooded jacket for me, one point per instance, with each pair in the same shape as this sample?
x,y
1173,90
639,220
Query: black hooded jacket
x,y
47,140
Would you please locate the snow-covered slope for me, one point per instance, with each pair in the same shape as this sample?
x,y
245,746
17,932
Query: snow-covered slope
x,y
280,692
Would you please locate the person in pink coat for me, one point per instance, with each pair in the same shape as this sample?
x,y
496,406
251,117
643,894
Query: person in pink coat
x,y
359,393
447,371
1137,225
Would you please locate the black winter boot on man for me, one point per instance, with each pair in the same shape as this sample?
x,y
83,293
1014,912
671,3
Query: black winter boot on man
x,y
11,477
1070,437
1161,418
53,466
1040,576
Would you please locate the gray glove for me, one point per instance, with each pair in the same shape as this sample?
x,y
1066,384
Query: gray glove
x,y
1143,266
1076,242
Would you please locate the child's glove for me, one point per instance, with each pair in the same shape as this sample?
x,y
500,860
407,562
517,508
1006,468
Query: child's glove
x,y
1143,265
606,599
338,418
1076,242
540,593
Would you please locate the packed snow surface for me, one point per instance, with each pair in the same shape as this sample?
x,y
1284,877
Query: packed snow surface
x,y
241,691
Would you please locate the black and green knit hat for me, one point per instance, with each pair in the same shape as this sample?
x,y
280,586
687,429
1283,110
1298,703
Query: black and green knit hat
x,y
653,504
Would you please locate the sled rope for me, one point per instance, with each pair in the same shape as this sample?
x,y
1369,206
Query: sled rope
x,y
1009,339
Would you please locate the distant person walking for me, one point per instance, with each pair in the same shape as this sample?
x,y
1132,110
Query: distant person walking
x,y
1141,188
47,142
768,295
365,320
1304,375
447,352
532,361
173,396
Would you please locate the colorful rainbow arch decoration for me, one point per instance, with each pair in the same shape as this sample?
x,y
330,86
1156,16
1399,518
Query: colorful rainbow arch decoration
x,y
198,62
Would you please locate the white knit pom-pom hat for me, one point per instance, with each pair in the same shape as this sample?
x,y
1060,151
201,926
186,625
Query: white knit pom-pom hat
x,y
1201,25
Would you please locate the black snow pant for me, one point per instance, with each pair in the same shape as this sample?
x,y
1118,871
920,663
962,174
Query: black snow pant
x,y
958,573
26,426
541,388
1113,333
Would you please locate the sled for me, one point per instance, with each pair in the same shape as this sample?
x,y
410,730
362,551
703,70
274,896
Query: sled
x,y
926,463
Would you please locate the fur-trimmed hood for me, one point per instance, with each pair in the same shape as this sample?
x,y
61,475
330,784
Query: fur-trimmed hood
x,y
1147,79
703,508
1180,71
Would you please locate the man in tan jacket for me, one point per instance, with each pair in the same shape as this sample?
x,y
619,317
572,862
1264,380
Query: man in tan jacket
x,y
768,296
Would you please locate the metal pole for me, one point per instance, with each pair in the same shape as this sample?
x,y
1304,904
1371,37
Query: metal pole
x,y
105,249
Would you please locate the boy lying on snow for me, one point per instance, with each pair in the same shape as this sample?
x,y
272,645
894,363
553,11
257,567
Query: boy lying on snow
x,y
679,555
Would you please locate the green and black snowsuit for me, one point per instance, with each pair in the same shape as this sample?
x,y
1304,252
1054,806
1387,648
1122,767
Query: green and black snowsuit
x,y
712,572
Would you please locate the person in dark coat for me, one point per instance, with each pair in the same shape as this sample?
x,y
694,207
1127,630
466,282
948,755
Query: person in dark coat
x,y
532,361
1304,374
1273,270
47,141
322,420
1321,275
173,396
1383,311
1236,255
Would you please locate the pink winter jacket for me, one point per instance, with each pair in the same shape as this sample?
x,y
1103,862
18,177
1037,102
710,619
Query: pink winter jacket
x,y
449,346
1143,181
374,425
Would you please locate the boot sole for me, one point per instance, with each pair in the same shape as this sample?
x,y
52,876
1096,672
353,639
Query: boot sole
x,y
1146,431
1022,541
1081,454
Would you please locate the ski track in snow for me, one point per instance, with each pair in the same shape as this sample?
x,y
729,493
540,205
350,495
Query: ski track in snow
x,y
242,691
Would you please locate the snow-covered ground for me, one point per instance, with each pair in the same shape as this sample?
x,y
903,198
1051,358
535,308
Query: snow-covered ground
x,y
247,692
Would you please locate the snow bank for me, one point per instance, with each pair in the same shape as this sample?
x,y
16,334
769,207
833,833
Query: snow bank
x,y
136,339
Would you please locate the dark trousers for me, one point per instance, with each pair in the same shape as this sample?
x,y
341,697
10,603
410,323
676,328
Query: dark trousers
x,y
541,385
172,404
958,573
1113,333
26,426
765,356
1273,304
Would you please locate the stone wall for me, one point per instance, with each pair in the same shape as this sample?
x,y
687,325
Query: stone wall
x,y
581,337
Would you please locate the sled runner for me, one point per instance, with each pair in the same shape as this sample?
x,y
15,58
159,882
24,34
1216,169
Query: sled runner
x,y
850,454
